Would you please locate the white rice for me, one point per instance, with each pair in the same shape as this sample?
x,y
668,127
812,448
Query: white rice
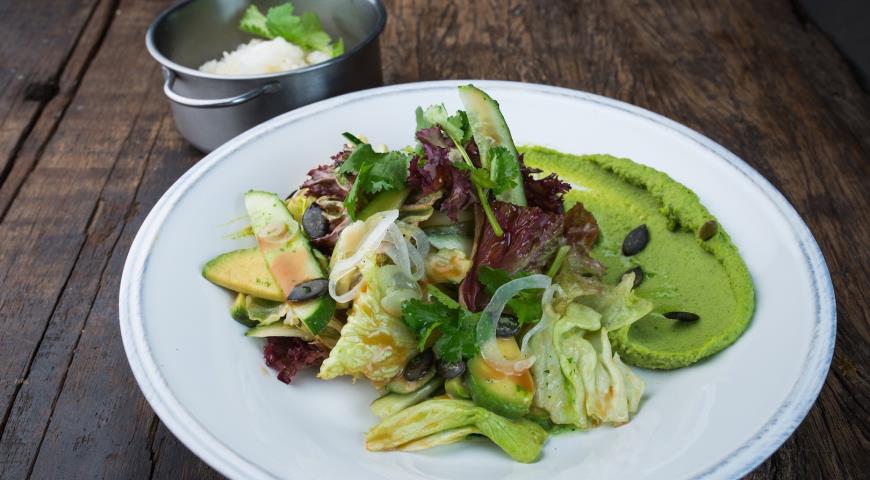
x,y
263,56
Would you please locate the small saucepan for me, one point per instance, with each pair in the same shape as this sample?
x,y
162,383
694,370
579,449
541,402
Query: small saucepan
x,y
209,109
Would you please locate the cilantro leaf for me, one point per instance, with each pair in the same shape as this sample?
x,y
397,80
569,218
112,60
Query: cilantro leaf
x,y
458,339
526,305
458,122
456,328
504,170
423,318
456,126
306,30
479,176
254,22
375,172
388,172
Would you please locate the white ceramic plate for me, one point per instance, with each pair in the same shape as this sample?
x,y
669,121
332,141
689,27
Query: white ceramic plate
x,y
209,385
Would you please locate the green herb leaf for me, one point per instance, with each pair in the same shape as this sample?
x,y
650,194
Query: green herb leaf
x,y
526,305
306,31
504,170
338,48
456,126
458,339
423,318
254,22
456,326
352,138
375,172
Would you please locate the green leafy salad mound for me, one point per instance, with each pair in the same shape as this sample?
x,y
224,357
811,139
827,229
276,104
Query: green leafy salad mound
x,y
447,273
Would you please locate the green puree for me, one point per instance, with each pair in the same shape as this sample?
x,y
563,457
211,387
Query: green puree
x,y
682,272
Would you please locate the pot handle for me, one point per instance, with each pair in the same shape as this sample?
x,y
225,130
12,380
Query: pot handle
x,y
169,80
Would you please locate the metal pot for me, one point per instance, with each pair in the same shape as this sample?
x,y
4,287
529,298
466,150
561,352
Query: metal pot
x,y
210,109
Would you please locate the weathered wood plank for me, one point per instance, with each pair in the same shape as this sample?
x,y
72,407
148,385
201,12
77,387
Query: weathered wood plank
x,y
46,226
33,405
173,461
52,112
101,422
35,43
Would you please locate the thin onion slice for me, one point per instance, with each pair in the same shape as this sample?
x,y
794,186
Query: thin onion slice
x,y
486,327
420,250
549,313
397,249
375,228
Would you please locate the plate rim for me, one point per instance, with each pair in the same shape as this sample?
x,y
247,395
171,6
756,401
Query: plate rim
x,y
769,437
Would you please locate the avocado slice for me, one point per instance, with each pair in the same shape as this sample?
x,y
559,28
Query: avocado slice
x,y
507,395
288,255
392,403
400,385
490,130
243,271
456,388
382,201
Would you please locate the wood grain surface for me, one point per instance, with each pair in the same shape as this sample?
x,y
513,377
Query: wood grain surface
x,y
87,146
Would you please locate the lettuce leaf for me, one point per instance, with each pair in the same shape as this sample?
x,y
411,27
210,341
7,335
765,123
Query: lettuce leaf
x,y
578,379
373,343
619,306
531,237
442,421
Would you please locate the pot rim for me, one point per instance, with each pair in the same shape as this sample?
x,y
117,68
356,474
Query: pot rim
x,y
167,63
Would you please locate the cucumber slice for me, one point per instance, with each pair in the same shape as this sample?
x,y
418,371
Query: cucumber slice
x,y
288,255
387,200
278,330
392,403
490,130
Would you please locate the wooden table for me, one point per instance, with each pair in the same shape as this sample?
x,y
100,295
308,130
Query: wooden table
x,y
87,146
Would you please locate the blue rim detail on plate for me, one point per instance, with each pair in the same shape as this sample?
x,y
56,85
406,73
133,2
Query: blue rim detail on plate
x,y
734,464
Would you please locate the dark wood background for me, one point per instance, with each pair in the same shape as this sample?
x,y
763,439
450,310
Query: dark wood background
x,y
87,146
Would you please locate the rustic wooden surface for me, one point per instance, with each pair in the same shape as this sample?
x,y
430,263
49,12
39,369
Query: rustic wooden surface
x,y
87,146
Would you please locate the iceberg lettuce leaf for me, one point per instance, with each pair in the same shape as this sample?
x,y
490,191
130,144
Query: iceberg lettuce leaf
x,y
373,343
578,379
619,306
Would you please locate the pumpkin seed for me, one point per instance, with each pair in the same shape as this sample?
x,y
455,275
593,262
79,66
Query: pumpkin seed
x,y
450,370
638,275
708,230
314,222
418,366
683,316
507,326
635,241
308,290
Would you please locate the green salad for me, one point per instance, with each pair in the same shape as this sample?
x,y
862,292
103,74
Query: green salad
x,y
478,293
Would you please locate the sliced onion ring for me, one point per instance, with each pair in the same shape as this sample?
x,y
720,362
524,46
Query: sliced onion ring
x,y
375,228
486,337
547,308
